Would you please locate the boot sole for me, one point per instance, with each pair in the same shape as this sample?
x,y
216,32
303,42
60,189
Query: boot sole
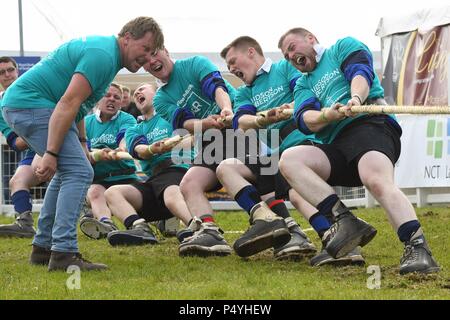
x,y
275,238
426,271
294,253
64,269
129,240
341,262
359,238
199,251
13,234
93,229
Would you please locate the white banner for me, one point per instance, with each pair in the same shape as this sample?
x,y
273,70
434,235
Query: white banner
x,y
425,157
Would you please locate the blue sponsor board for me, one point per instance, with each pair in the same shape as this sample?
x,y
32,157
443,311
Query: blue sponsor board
x,y
26,63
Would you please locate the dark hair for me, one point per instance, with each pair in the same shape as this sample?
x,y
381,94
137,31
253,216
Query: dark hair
x,y
243,42
139,26
300,31
8,59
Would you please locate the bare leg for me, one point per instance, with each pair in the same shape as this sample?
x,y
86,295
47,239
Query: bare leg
x,y
377,174
234,176
123,201
302,206
193,186
96,197
175,203
23,179
306,169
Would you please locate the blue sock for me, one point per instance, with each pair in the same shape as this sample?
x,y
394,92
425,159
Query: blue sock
x,y
320,223
22,201
130,220
407,230
247,198
104,218
326,207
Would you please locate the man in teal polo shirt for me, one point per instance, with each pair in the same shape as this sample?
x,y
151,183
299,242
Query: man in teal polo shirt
x,y
269,85
159,197
105,131
358,149
194,95
42,107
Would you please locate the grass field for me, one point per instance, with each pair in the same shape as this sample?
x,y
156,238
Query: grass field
x,y
157,272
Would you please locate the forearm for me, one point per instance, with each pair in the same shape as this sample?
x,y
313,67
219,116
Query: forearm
x,y
359,88
143,151
122,145
316,120
248,122
192,124
223,99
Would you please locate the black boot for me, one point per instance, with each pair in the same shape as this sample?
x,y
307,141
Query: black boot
x,y
266,230
347,233
22,227
62,260
417,256
139,234
39,255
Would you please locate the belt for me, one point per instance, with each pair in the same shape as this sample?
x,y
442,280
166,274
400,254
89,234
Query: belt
x,y
114,174
376,101
287,130
161,166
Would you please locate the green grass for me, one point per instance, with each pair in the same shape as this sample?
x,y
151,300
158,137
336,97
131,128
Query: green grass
x,y
157,272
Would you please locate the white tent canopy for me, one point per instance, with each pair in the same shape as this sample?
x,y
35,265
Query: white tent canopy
x,y
421,20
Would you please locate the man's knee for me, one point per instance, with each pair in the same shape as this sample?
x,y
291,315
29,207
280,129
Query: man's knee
x,y
95,192
226,167
287,161
113,193
376,185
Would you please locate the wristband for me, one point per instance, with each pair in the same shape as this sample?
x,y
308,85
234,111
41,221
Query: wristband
x,y
96,155
322,115
150,150
257,123
52,153
82,139
358,97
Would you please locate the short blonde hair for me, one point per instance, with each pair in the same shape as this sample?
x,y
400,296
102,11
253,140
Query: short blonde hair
x,y
118,87
139,26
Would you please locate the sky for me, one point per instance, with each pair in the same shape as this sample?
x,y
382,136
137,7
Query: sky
x,y
201,25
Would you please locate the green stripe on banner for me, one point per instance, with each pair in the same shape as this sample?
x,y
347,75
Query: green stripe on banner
x,y
430,148
430,128
438,149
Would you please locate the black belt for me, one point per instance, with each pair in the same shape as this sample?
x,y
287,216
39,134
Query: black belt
x,y
114,174
376,101
160,166
287,130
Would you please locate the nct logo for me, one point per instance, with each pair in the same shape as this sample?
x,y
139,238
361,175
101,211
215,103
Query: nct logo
x,y
438,136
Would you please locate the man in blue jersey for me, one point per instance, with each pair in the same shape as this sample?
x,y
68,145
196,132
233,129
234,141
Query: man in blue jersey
x,y
41,107
269,85
159,197
193,95
358,149
24,178
105,132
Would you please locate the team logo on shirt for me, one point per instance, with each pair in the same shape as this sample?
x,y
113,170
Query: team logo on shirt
x,y
104,139
156,133
267,96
